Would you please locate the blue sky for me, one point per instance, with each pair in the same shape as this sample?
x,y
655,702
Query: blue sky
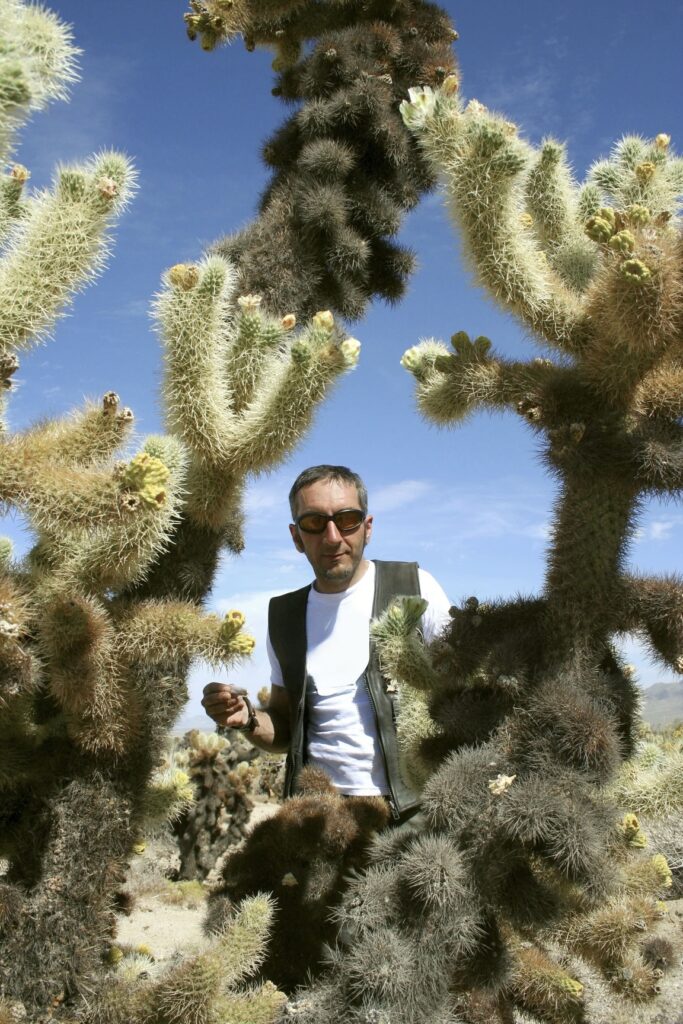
x,y
471,504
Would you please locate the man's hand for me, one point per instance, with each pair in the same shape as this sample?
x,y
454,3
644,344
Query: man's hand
x,y
225,704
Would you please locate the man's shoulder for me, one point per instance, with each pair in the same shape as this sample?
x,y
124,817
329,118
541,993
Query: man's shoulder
x,y
292,597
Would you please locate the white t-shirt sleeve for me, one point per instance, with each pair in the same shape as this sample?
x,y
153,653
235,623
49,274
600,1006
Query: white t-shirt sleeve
x,y
275,670
436,616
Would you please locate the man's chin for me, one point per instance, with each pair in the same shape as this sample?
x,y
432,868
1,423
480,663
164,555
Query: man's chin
x,y
338,573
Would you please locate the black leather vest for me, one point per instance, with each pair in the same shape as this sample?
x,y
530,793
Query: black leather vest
x,y
287,630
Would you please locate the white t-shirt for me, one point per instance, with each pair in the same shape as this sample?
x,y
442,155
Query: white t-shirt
x,y
341,728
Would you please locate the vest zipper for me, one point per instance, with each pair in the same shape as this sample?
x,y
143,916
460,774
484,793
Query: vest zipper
x,y
392,799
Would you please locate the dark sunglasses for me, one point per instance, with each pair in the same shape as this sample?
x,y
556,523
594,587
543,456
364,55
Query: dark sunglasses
x,y
346,520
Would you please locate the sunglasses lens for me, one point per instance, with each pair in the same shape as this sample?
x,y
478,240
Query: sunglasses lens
x,y
312,523
348,519
345,521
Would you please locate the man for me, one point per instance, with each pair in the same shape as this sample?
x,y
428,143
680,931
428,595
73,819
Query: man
x,y
329,705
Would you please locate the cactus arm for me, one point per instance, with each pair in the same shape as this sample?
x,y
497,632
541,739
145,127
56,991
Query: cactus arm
x,y
660,393
197,984
553,204
317,243
484,165
633,306
88,437
641,173
60,246
660,459
38,64
154,631
12,205
79,645
192,313
285,404
253,350
401,650
121,551
655,609
405,659
451,385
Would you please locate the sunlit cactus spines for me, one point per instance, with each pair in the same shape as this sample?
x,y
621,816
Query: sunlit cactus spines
x,y
345,171
241,386
516,722
102,618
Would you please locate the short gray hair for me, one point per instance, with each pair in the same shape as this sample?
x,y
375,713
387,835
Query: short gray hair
x,y
341,473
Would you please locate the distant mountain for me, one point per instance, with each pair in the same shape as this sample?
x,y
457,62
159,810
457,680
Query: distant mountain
x,y
663,703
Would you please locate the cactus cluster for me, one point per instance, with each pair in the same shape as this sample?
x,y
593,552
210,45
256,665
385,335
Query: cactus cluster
x,y
533,891
207,986
100,621
304,855
222,774
345,171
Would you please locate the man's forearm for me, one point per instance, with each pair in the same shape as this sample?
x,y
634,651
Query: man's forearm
x,y
271,732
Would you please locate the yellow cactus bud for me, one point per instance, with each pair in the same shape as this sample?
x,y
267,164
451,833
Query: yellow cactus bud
x,y
662,141
144,950
599,228
661,866
243,644
623,242
450,85
20,173
146,475
249,303
635,271
645,171
571,986
288,322
114,955
184,276
324,320
350,350
526,220
638,215
139,848
629,825
231,625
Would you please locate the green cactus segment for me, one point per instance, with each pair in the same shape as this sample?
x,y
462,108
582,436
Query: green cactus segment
x,y
344,169
146,476
241,387
87,438
159,631
192,323
60,246
37,65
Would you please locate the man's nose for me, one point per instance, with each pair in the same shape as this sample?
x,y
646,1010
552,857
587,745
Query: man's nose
x,y
332,534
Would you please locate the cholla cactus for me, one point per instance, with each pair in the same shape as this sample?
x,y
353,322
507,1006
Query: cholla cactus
x,y
344,168
223,774
101,620
204,987
530,895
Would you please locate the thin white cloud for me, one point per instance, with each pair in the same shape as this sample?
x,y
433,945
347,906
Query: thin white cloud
x,y
396,496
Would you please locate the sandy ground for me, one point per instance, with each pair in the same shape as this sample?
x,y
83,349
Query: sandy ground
x,y
167,929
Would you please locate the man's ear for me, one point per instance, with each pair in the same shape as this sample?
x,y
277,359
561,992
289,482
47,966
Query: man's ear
x,y
296,538
368,528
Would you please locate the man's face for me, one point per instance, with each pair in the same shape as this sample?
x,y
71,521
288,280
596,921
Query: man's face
x,y
334,556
